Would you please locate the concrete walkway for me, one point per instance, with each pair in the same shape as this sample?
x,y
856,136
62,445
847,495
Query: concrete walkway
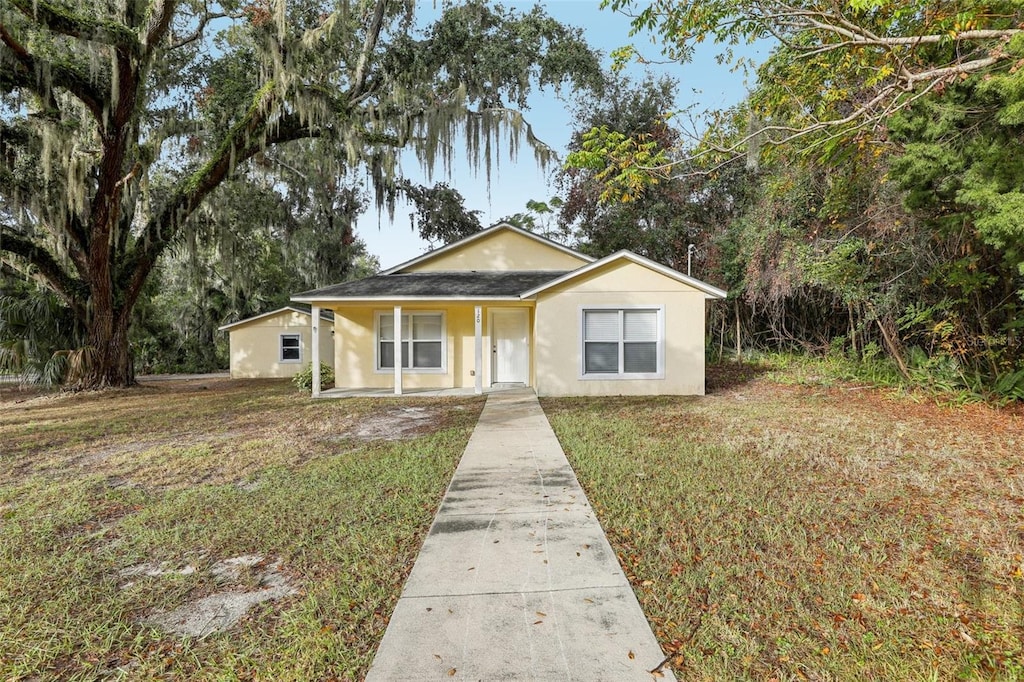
x,y
516,580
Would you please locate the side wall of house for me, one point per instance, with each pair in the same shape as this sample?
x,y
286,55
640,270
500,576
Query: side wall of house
x,y
503,250
256,347
558,332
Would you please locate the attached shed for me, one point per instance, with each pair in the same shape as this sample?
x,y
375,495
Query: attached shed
x,y
278,344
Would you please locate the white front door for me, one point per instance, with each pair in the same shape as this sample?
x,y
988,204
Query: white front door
x,y
510,346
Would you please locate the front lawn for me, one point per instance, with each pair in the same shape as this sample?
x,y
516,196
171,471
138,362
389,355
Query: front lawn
x,y
792,532
124,513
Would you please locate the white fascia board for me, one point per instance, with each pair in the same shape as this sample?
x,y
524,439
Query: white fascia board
x,y
709,291
254,318
480,235
385,299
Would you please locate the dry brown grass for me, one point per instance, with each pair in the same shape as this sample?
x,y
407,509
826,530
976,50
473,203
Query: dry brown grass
x,y
794,532
185,475
182,433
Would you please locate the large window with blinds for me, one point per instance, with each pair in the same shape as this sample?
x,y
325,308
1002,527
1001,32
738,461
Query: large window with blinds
x,y
422,341
624,343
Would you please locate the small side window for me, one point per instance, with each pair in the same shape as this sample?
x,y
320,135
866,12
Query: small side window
x,y
291,351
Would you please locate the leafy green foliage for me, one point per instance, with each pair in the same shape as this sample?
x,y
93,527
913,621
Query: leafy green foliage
x,y
882,145
36,335
653,215
119,123
441,215
303,380
626,165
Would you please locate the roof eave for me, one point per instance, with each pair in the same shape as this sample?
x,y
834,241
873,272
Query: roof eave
x,y
380,299
254,318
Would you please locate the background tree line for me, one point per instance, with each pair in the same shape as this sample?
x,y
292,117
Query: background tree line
x,y
864,201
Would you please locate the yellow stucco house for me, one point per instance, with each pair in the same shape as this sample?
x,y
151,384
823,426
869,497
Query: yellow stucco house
x,y
505,306
279,343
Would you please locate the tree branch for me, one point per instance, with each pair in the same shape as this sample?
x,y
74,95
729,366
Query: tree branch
x,y
811,32
159,25
245,139
72,291
198,33
61,75
369,45
63,20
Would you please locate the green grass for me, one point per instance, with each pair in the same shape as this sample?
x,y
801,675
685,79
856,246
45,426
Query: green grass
x,y
93,484
791,532
941,380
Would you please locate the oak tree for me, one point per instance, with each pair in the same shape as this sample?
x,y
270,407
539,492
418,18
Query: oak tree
x,y
119,120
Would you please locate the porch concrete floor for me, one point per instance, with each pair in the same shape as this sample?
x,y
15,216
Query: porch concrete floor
x,y
412,392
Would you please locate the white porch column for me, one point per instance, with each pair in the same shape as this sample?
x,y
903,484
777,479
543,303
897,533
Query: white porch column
x,y
398,350
478,355
315,350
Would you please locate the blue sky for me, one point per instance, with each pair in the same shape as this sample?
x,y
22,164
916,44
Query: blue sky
x,y
703,83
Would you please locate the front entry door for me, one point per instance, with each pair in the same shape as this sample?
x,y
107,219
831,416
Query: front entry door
x,y
510,346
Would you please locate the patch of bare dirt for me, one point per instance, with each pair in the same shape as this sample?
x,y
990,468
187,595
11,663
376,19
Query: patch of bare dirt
x,y
727,376
223,609
401,423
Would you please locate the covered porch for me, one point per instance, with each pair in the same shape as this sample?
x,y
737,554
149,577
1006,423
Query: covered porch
x,y
429,348
429,332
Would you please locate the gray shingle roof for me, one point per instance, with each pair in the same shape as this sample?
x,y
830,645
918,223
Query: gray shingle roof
x,y
439,284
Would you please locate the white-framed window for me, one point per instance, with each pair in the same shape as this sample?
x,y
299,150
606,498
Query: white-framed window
x,y
291,348
423,341
624,342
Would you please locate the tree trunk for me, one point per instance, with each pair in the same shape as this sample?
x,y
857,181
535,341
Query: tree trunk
x,y
739,346
891,340
107,361
853,330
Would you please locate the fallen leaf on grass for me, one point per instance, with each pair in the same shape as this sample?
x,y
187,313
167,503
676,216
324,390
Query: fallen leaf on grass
x,y
857,596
